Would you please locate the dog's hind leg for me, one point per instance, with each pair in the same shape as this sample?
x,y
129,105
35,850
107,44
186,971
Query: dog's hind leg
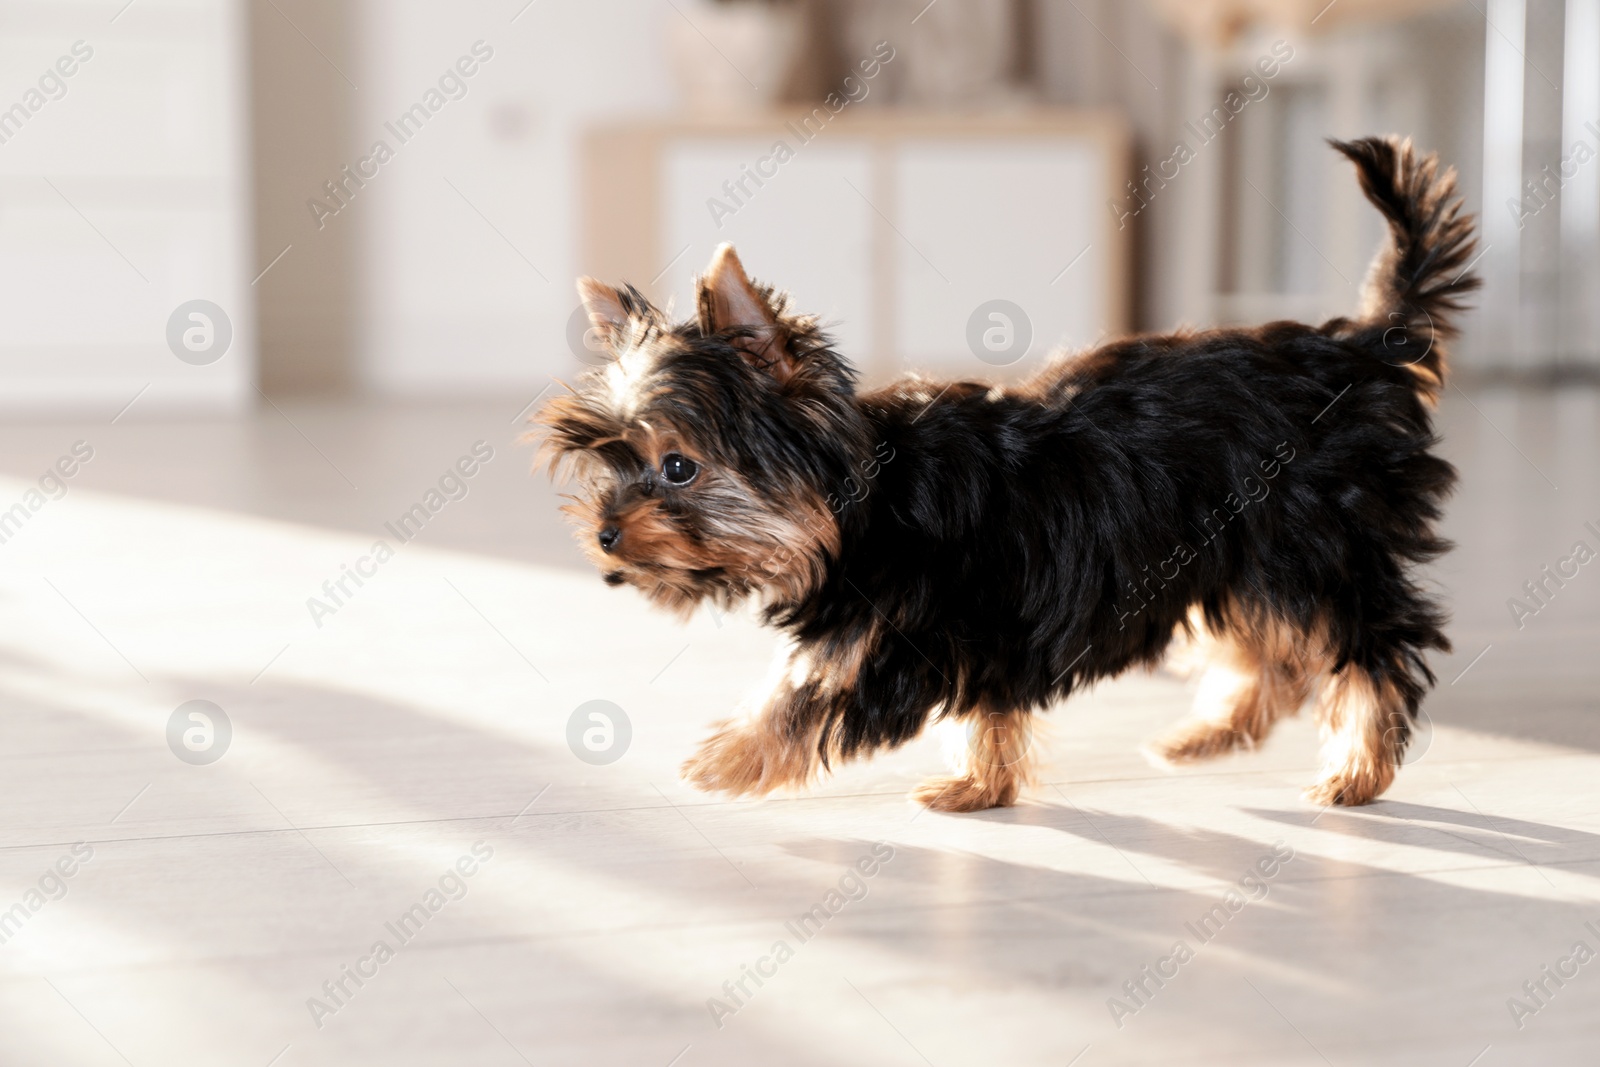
x,y
1254,675
995,758
1366,708
1365,716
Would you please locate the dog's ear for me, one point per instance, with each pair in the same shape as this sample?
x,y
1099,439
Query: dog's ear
x,y
727,301
609,310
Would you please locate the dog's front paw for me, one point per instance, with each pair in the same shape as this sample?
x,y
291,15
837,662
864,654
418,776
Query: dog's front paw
x,y
1349,789
742,759
966,793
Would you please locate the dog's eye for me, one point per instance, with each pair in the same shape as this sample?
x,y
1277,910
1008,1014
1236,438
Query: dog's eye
x,y
678,469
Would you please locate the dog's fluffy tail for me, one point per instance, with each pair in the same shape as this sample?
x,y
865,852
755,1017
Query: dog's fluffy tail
x,y
1415,286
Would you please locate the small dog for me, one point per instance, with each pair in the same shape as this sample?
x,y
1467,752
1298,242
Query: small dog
x,y
974,553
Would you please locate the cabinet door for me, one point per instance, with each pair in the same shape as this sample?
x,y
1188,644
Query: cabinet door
x,y
805,229
1014,219
123,198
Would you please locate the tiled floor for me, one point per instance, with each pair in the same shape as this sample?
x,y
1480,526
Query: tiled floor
x,y
424,719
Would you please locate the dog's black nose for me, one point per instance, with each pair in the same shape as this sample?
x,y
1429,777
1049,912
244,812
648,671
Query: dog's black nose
x,y
609,536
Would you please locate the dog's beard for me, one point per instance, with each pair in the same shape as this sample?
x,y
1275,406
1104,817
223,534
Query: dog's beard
x,y
729,545
680,591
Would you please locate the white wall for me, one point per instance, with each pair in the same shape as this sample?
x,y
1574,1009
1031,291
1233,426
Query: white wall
x,y
121,199
469,288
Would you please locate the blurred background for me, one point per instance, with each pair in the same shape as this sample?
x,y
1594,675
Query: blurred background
x,y
375,222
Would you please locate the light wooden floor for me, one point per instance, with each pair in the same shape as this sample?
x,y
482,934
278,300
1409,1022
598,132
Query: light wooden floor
x,y
429,713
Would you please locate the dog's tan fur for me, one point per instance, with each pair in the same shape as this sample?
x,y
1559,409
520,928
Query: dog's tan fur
x,y
997,763
1256,672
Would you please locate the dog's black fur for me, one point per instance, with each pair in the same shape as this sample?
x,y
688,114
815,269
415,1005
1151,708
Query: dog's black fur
x,y
982,550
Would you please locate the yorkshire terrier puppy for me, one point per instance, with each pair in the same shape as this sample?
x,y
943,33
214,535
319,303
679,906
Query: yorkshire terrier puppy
x,y
972,552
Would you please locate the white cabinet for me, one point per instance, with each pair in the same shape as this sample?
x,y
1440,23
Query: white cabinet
x,y
899,230
123,195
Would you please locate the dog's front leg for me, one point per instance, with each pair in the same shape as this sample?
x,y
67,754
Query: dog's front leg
x,y
994,761
775,746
